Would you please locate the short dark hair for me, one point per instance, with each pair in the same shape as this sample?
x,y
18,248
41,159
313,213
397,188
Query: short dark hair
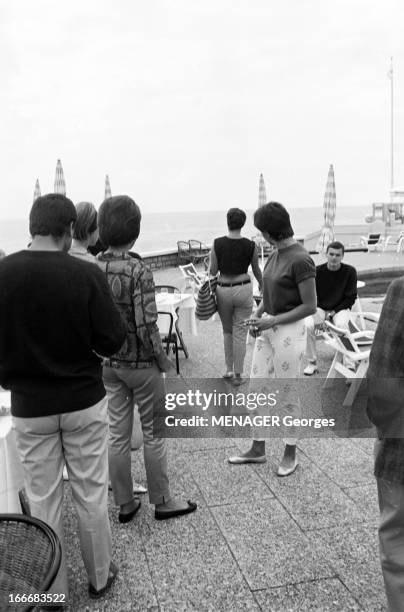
x,y
274,219
51,215
86,222
235,218
336,245
119,221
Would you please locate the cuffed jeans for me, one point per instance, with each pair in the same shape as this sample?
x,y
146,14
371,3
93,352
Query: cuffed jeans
x,y
78,439
278,353
145,387
234,305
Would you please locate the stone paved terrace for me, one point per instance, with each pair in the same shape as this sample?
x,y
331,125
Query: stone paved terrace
x,y
256,542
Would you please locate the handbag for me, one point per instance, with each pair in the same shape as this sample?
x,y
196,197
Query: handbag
x,y
206,300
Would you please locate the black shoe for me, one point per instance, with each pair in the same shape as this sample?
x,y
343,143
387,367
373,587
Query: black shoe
x,y
162,516
94,594
125,517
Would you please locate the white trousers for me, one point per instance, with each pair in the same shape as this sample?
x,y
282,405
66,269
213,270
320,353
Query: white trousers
x,y
279,353
79,439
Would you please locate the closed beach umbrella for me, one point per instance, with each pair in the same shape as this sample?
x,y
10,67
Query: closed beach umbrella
x,y
329,207
262,199
60,183
37,190
108,193
262,196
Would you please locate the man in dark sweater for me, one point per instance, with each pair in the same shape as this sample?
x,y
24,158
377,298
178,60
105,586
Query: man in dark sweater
x,y
385,409
336,294
56,317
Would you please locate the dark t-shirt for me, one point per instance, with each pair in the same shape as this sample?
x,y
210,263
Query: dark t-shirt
x,y
233,255
284,270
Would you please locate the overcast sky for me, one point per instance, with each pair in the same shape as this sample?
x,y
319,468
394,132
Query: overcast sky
x,y
183,102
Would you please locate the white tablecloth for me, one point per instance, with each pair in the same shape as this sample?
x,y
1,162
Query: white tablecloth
x,y
169,302
11,472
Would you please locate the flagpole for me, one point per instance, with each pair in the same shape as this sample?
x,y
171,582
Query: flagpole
x,y
391,130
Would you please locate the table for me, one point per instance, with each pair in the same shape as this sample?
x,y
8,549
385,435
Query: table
x,y
11,471
185,303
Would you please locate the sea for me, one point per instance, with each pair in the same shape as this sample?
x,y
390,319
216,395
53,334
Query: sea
x,y
160,231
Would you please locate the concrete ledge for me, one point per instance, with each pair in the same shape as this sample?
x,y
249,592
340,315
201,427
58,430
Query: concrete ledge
x,y
160,259
166,258
346,250
378,279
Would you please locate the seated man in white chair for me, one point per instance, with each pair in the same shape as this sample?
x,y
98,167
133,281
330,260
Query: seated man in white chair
x,y
336,294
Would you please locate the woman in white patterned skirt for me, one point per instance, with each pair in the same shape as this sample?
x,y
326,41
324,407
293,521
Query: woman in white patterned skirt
x,y
289,296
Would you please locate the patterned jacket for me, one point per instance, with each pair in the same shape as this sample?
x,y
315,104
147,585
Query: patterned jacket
x,y
386,385
132,287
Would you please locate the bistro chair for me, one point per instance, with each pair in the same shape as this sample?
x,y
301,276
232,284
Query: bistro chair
x,y
168,335
199,252
29,560
172,289
183,254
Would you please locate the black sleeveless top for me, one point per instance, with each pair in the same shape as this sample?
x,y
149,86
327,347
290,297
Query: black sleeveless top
x,y
233,255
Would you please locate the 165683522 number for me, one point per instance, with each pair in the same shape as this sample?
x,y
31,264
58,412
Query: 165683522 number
x,y
57,598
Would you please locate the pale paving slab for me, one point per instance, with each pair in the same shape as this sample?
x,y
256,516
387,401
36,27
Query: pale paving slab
x,y
342,460
222,483
328,595
269,547
309,496
366,445
206,353
365,498
192,567
353,552
190,445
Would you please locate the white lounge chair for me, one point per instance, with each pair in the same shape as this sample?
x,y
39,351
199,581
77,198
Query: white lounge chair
x,y
395,245
347,345
192,277
373,242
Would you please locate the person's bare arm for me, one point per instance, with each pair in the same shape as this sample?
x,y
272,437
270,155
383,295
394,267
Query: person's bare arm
x,y
213,266
256,268
307,291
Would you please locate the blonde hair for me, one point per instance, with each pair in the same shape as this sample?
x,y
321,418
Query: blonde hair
x,y
86,222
